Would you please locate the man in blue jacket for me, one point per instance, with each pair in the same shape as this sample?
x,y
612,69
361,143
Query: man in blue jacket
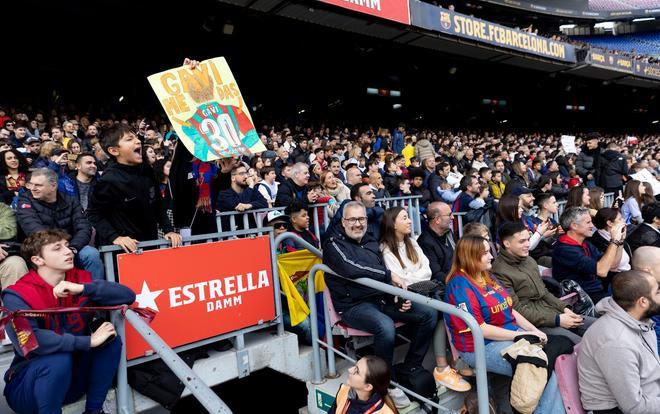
x,y
352,253
575,258
67,360
241,196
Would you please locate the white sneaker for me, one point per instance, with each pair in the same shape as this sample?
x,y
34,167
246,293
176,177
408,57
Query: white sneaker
x,y
400,398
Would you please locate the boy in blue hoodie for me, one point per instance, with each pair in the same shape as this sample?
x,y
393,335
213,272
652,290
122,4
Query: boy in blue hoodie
x,y
68,360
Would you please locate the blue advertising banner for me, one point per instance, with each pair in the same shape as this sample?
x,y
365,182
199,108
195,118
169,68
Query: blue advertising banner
x,y
587,9
610,61
446,21
647,70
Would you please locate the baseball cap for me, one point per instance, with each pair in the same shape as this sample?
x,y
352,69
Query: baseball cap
x,y
273,216
518,191
32,140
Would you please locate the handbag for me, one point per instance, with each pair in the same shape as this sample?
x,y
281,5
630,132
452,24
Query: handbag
x,y
430,288
584,305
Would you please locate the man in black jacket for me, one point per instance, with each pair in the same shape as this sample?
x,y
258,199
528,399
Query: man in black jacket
x,y
43,208
586,162
612,167
437,241
125,206
647,233
295,188
352,253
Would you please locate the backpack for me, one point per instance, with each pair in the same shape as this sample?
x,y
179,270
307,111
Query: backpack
x,y
417,379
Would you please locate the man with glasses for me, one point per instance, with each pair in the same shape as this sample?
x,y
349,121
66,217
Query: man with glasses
x,y
352,253
573,257
241,196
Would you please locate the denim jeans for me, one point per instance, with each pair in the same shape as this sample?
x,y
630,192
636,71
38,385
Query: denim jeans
x,y
89,259
378,319
49,381
494,361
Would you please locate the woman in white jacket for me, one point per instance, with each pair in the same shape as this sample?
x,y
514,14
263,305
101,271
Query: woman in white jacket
x,y
405,258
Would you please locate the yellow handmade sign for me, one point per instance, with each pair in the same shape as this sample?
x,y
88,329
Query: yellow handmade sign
x,y
207,110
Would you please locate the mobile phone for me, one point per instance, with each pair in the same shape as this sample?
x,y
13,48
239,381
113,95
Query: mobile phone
x,y
96,324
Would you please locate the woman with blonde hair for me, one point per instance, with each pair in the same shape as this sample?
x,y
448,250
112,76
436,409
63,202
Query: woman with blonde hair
x,y
471,287
404,257
334,187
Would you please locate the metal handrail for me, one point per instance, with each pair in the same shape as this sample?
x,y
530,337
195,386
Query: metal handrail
x,y
205,395
609,200
124,397
259,214
479,345
411,203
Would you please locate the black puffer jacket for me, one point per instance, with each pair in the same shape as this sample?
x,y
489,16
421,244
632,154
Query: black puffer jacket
x,y
643,235
613,168
65,214
353,260
127,202
584,165
289,191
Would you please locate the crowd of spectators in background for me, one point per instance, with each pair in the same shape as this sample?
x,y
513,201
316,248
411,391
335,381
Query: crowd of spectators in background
x,y
109,180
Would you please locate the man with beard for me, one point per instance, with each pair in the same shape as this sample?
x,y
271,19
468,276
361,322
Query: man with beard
x,y
618,360
241,196
91,133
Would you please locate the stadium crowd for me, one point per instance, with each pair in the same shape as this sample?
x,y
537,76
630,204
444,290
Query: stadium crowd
x,y
70,182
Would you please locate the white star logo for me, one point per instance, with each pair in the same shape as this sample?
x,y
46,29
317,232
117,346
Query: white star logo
x,y
147,298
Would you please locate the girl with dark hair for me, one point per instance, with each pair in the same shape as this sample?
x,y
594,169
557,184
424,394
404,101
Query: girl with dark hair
x,y
508,210
257,163
365,390
404,257
13,170
578,197
596,200
604,221
162,173
632,206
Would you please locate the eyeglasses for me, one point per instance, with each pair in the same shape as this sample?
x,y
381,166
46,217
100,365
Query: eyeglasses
x,y
240,173
353,220
279,226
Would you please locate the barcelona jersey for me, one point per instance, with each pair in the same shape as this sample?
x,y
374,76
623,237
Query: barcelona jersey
x,y
488,305
220,130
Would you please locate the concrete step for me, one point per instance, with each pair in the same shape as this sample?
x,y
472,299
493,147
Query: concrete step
x,y
263,349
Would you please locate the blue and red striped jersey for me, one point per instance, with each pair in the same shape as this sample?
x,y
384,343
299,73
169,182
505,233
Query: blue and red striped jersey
x,y
491,305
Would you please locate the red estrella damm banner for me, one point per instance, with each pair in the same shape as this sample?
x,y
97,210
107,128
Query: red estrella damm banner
x,y
397,10
200,291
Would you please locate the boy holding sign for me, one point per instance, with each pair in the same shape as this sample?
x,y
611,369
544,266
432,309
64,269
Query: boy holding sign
x,y
126,205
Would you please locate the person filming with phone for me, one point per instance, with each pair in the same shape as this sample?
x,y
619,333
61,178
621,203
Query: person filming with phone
x,y
72,359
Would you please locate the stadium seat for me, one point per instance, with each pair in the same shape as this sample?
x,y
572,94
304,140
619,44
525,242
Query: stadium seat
x,y
567,379
339,327
638,43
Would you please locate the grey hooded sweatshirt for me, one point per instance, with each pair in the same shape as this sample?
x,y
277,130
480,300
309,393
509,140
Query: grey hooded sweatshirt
x,y
618,363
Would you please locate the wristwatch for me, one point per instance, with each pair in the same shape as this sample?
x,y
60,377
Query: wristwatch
x,y
617,242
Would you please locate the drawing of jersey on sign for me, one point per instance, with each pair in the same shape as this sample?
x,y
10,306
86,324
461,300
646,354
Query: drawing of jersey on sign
x,y
221,130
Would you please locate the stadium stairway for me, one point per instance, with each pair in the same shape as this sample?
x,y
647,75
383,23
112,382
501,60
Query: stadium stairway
x,y
265,350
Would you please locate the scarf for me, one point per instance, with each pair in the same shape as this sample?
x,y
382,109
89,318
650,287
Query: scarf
x,y
14,184
203,172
